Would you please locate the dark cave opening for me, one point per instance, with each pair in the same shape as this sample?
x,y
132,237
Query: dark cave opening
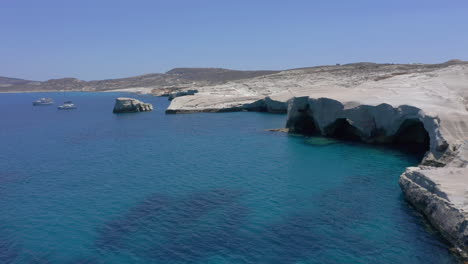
x,y
412,137
343,130
304,124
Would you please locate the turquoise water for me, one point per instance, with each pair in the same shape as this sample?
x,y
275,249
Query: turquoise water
x,y
89,186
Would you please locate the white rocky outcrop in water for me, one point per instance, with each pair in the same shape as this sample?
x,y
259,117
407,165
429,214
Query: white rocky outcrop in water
x,y
424,105
130,105
381,123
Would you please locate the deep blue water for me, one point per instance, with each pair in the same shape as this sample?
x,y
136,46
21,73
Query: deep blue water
x,y
89,186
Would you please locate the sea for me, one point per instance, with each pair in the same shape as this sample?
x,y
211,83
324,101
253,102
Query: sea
x,y
89,186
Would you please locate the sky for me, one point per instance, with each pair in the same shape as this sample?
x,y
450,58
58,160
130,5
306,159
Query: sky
x,y
104,39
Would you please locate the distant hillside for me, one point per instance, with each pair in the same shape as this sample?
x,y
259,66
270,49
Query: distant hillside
x,y
215,74
6,81
179,77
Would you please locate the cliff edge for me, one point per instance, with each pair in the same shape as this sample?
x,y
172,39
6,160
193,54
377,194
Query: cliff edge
x,y
419,105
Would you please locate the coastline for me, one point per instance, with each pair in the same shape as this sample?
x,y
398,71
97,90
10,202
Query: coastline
x,y
372,106
424,187
375,112
446,213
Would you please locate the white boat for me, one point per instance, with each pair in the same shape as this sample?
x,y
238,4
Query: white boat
x,y
68,105
43,101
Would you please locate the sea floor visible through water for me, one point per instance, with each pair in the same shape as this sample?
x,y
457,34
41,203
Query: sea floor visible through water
x,y
90,186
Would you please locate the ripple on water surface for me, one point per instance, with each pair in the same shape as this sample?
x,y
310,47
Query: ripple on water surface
x,y
88,186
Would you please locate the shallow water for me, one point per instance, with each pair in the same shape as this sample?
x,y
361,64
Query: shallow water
x,y
89,186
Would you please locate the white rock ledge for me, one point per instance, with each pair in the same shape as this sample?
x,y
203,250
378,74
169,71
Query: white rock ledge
x,y
441,195
425,105
130,105
227,104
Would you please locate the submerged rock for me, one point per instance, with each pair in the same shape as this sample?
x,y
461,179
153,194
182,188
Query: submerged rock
x,y
283,130
130,105
320,141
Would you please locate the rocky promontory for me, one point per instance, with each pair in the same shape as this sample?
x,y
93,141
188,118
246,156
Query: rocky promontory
x,y
130,105
419,105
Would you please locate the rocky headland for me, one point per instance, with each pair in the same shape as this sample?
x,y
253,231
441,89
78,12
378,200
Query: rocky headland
x,y
420,105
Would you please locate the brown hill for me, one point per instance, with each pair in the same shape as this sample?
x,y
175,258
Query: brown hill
x,y
179,77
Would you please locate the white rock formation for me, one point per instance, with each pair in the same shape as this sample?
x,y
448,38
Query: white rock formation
x,y
440,193
421,104
129,105
183,93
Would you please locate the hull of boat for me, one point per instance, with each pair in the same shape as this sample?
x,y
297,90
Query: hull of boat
x,y
66,108
39,104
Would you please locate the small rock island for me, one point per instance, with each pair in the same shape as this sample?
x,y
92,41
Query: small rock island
x,y
130,105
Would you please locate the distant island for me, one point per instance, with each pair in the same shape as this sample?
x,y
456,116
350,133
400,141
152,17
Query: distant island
x,y
171,81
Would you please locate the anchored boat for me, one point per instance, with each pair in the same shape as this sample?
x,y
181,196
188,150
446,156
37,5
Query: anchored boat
x,y
43,101
68,105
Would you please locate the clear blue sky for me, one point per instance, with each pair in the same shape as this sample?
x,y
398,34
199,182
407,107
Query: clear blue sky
x,y
101,39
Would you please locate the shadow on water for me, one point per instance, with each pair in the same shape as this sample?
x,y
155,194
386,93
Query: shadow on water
x,y
415,150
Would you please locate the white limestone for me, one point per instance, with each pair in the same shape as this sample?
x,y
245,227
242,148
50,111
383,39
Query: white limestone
x,y
376,100
129,105
440,193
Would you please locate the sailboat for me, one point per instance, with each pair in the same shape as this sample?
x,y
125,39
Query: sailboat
x,y
43,101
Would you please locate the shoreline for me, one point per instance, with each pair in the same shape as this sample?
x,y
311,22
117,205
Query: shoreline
x,y
430,187
444,208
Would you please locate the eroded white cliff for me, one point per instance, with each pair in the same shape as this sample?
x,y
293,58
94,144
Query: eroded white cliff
x,y
441,194
422,105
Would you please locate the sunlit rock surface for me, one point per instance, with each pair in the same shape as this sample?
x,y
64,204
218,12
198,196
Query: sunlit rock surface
x,y
411,104
130,105
441,194
183,93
